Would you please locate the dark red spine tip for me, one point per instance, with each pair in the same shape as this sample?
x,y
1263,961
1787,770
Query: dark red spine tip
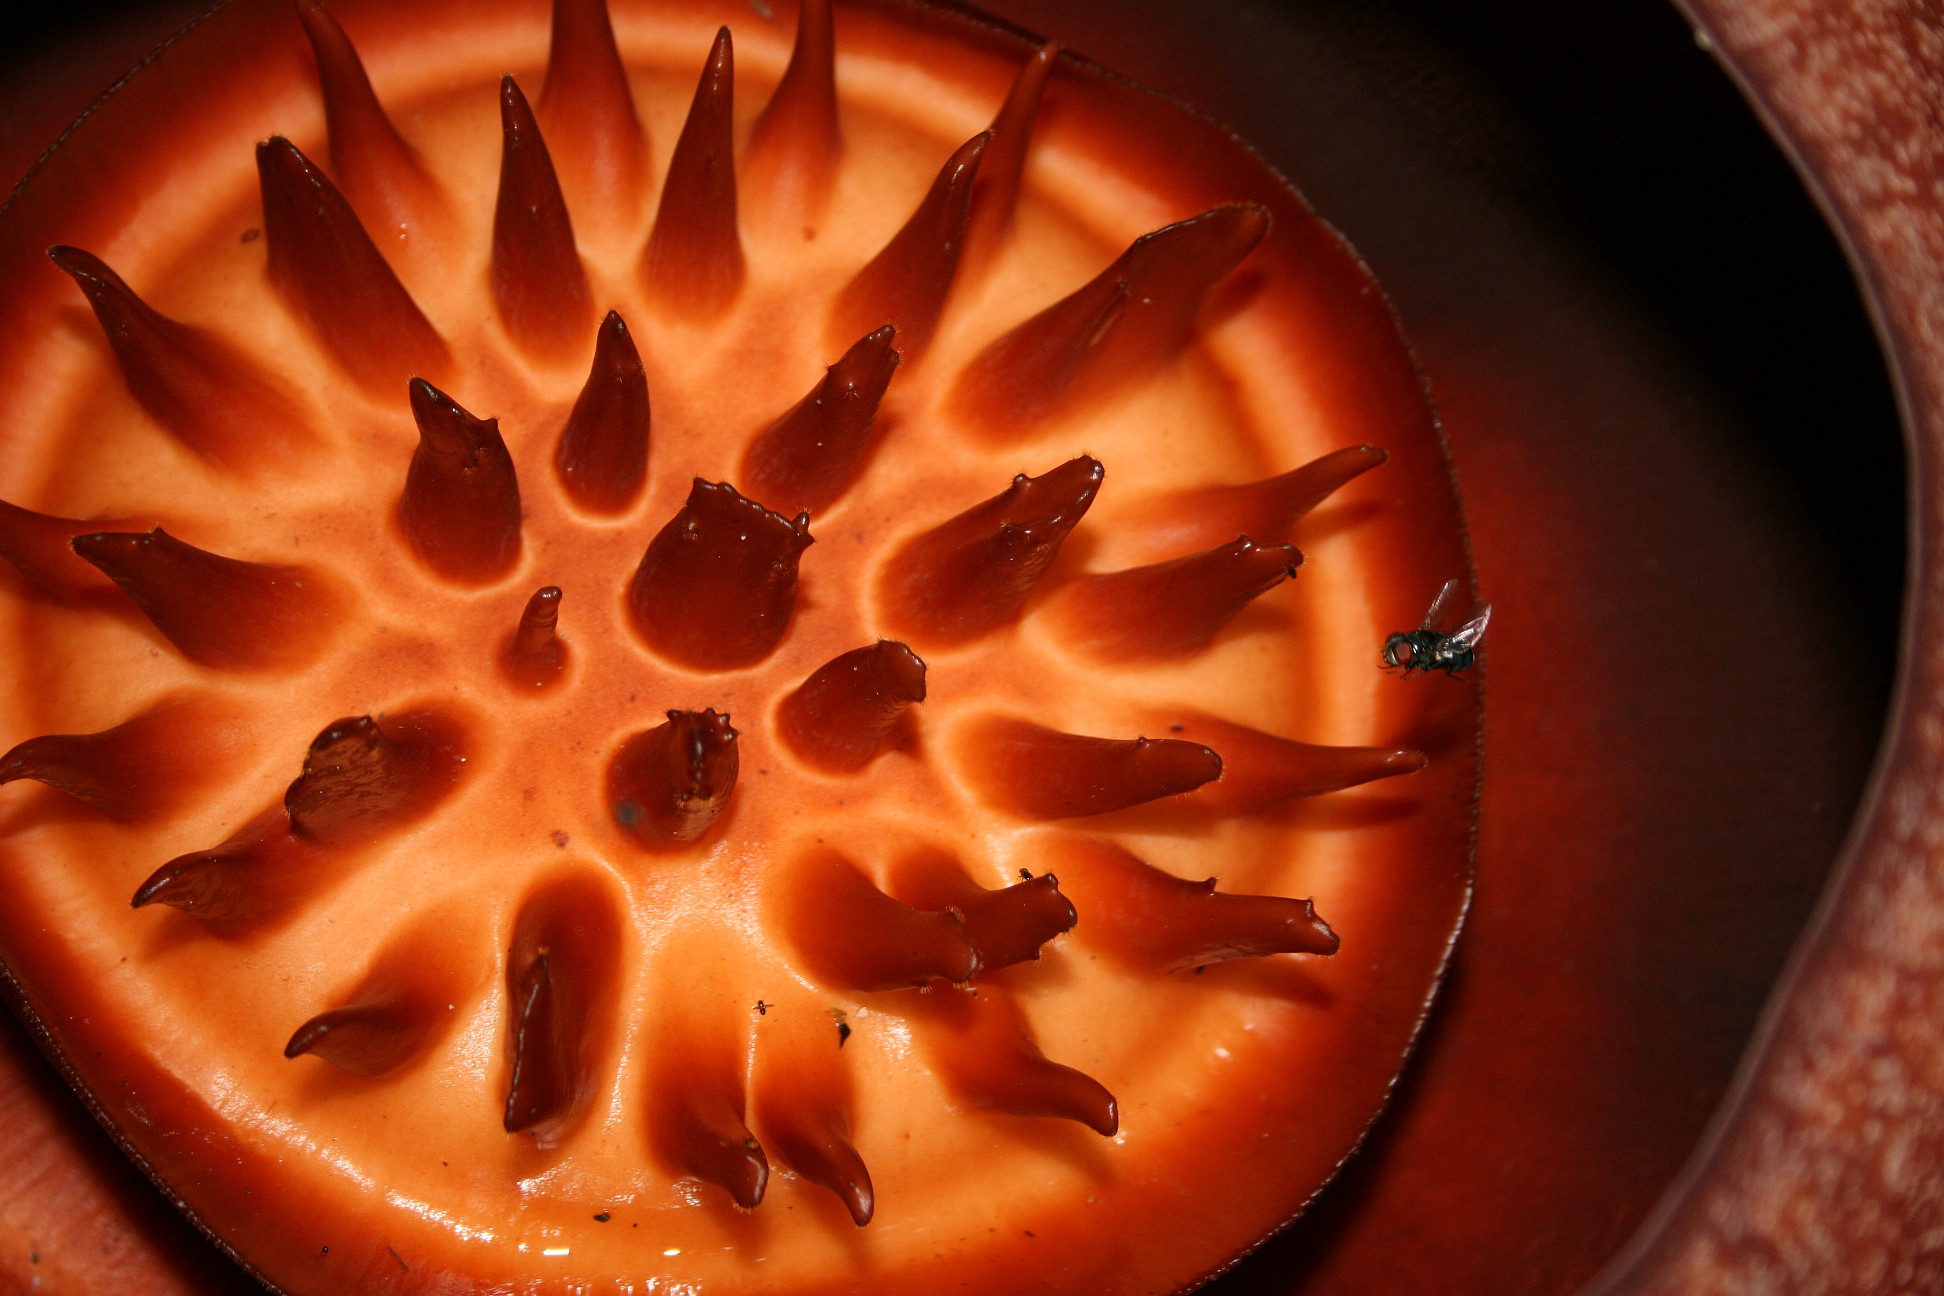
x,y
460,510
972,574
534,657
538,283
561,974
808,458
666,786
601,459
717,585
694,264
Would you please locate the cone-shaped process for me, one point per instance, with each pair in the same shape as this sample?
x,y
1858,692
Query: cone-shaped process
x,y
539,285
601,459
365,778
667,785
1153,920
694,265
997,191
695,1098
1203,516
218,611
850,935
533,656
460,510
906,284
791,161
969,576
40,547
716,588
588,109
842,716
982,1049
407,1002
807,459
1005,926
324,264
1261,771
1120,328
562,972
1041,773
801,1103
145,768
204,391
382,175
1170,609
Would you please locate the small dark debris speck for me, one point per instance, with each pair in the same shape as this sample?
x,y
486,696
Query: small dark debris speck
x,y
401,1259
1176,728
560,838
251,235
33,1257
843,1033
602,1217
1029,1233
627,814
325,1249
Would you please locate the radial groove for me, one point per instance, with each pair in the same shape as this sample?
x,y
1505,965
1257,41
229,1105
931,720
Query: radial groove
x,y
694,263
460,510
843,715
666,786
206,393
539,285
717,585
1127,323
324,264
906,283
808,458
601,459
1041,773
1171,609
967,577
218,611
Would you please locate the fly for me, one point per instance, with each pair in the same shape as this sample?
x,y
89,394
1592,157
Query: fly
x,y
1427,648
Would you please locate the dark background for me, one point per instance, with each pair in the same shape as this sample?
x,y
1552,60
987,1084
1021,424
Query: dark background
x,y
1684,477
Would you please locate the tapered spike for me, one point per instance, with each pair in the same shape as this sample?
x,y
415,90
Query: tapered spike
x,y
1189,520
1126,324
793,152
588,109
562,973
716,588
324,264
1150,919
694,264
841,717
602,456
807,459
801,1101
971,575
1261,771
668,784
381,174
217,611
1041,773
1005,926
982,1049
364,778
538,282
696,1096
850,935
997,192
366,1039
460,510
206,393
146,768
40,548
907,282
252,876
1170,609
534,656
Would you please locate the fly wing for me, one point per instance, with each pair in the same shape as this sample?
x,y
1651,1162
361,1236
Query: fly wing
x,y
1468,634
1438,605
